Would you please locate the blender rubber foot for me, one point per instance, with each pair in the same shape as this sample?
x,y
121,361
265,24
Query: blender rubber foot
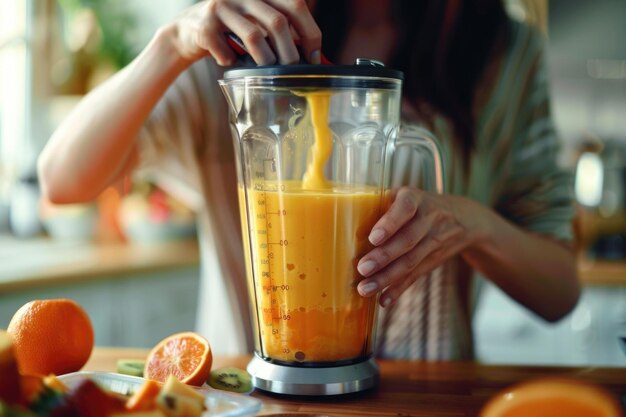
x,y
292,380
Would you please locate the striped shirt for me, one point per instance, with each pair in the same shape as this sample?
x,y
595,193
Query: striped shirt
x,y
186,145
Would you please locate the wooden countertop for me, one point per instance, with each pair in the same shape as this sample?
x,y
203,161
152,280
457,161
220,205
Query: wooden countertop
x,y
30,264
592,272
407,388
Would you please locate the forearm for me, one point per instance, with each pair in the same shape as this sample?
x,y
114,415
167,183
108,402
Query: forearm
x,y
97,140
95,144
534,270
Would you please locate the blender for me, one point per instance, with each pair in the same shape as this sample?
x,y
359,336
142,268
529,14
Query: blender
x,y
318,148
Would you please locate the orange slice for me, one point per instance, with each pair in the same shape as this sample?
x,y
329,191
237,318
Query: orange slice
x,y
553,397
185,355
145,398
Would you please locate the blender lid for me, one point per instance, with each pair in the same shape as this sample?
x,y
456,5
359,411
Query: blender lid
x,y
362,68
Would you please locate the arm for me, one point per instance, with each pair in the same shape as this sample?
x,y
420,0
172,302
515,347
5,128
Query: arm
x,y
96,143
513,245
536,271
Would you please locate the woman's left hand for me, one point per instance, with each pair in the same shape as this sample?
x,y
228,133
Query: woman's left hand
x,y
419,232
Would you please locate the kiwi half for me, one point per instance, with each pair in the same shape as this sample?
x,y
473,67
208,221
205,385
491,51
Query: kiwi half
x,y
230,379
132,367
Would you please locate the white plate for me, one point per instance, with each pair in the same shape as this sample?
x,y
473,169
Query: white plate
x,y
219,403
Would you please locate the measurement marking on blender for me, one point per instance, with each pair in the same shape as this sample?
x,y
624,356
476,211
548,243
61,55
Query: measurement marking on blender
x,y
275,314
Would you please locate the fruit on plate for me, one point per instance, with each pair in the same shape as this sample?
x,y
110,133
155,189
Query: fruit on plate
x,y
152,413
230,379
179,399
88,399
9,377
44,395
88,393
145,397
32,387
52,336
185,355
38,397
23,395
133,367
8,411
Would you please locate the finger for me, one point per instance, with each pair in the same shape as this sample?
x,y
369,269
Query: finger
x,y
437,257
397,270
309,33
399,244
413,262
393,292
430,263
403,208
249,33
277,27
210,37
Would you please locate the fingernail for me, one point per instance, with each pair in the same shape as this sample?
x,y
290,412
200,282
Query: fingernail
x,y
376,236
366,268
385,301
367,289
316,57
267,57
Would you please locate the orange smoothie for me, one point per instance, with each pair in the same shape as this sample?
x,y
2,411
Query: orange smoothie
x,y
305,246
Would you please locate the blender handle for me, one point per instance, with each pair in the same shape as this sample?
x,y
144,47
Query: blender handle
x,y
420,140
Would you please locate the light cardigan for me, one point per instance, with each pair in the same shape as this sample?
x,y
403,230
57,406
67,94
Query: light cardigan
x,y
186,146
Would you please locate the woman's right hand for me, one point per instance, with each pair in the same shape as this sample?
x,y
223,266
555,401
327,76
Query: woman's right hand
x,y
266,27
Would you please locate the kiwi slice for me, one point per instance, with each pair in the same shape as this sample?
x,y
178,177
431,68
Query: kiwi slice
x,y
132,367
230,379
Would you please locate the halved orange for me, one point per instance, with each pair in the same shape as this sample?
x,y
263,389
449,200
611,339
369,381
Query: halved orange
x,y
185,355
553,397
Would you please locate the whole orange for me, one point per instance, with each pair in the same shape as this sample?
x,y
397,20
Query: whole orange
x,y
51,337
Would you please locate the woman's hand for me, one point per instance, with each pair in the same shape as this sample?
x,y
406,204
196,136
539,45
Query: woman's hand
x,y
419,232
266,27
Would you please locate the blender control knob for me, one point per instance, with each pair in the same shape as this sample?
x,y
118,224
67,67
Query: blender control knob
x,y
370,62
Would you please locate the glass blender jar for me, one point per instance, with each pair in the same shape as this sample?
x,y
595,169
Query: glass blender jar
x,y
318,149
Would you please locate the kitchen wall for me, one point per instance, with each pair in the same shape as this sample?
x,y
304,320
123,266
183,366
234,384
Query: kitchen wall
x,y
587,58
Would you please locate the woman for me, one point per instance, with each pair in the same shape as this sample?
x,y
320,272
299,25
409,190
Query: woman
x,y
473,77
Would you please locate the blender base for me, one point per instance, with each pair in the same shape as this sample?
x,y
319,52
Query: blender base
x,y
291,380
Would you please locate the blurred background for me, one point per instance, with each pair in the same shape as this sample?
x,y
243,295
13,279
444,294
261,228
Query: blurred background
x,y
137,243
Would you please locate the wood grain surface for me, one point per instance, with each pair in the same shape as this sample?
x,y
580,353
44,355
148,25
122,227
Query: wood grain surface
x,y
406,389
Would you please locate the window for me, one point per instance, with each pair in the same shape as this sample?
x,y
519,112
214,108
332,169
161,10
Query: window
x,y
14,87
